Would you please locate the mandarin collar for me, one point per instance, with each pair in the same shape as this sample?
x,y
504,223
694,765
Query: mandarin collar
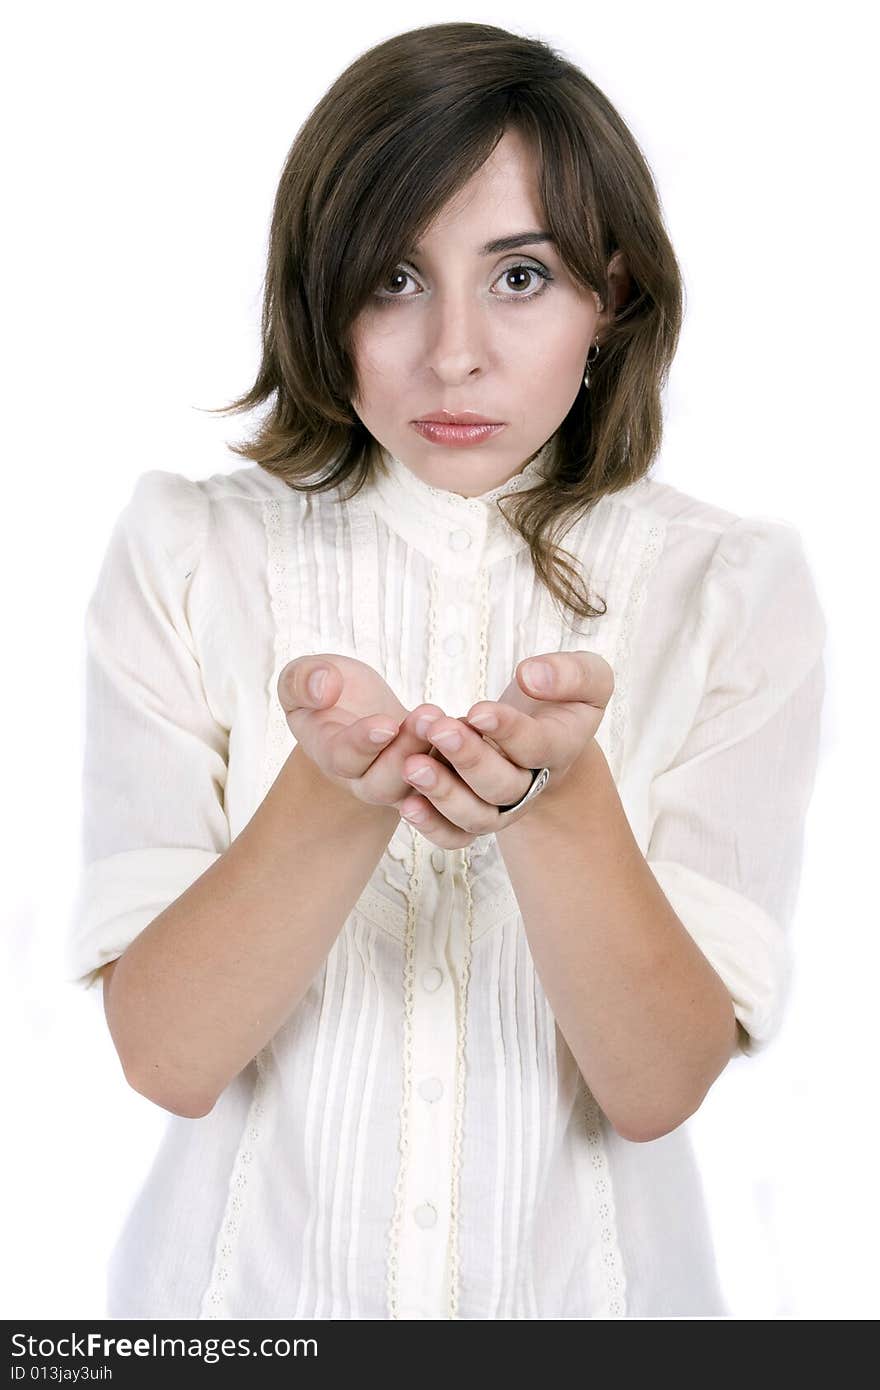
x,y
459,534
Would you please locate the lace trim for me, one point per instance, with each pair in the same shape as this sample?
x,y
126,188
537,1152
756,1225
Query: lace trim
x,y
278,744
612,1261
213,1301
393,1267
460,1072
467,855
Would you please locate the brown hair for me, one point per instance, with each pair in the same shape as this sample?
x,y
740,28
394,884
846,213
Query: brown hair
x,y
398,133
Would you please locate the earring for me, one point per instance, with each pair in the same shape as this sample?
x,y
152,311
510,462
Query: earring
x,y
590,361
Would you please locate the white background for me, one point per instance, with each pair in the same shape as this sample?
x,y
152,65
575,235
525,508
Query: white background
x,y
143,144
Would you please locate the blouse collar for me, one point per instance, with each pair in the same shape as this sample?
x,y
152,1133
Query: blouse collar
x,y
459,534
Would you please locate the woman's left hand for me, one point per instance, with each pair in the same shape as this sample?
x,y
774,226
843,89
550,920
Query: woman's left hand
x,y
490,767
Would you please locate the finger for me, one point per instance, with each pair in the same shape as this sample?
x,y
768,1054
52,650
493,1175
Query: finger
x,y
414,733
479,780
295,690
543,739
416,809
432,824
419,720
479,763
572,676
352,750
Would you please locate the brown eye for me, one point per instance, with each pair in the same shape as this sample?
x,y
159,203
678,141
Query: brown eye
x,y
397,277
522,270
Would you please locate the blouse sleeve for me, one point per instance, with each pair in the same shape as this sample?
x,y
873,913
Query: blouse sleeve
x,y
728,814
155,758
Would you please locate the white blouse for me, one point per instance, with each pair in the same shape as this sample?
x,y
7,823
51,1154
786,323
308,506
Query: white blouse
x,y
416,1141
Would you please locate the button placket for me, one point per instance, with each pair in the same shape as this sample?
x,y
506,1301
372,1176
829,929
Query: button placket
x,y
454,680
424,1231
423,1248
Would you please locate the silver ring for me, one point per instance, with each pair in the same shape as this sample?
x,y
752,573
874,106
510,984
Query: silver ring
x,y
540,778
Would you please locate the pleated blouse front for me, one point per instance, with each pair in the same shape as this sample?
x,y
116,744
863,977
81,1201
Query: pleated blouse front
x,y
417,1141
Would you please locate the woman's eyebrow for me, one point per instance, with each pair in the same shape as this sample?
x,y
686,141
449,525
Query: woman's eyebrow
x,y
507,243
510,243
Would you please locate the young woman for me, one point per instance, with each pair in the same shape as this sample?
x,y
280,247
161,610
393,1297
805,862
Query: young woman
x,y
430,1048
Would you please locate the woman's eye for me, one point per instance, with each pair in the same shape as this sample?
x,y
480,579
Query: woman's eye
x,y
397,274
535,275
533,272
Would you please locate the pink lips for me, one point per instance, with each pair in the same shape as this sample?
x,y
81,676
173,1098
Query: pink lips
x,y
455,435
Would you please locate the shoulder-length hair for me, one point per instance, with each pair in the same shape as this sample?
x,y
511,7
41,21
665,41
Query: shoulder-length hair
x,y
398,133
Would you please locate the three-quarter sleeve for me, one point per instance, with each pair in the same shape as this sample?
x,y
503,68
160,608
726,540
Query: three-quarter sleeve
x,y
728,814
155,758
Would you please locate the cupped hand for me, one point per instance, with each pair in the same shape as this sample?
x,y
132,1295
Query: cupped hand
x,y
486,770
335,728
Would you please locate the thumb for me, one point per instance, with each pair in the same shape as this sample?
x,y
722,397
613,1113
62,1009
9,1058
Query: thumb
x,y
303,684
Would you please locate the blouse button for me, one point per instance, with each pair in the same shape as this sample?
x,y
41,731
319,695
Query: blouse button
x,y
432,979
453,644
425,1215
438,860
459,540
431,1088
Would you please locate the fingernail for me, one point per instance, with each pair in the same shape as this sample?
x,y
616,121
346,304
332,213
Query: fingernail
x,y
484,721
381,735
538,675
316,683
423,776
424,722
450,739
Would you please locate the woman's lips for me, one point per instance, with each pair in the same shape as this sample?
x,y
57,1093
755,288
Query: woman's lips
x,y
460,435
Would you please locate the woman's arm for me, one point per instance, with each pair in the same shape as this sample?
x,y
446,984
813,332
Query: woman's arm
x,y
648,1021
210,980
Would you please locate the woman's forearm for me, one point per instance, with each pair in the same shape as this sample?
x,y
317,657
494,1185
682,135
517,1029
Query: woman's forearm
x,y
648,1021
205,986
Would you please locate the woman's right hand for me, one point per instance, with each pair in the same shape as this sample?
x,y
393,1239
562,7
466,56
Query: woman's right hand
x,y
333,729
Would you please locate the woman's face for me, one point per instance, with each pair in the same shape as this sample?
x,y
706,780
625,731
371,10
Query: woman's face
x,y
504,334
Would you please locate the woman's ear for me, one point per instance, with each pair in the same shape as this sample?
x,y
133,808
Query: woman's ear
x,y
619,284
